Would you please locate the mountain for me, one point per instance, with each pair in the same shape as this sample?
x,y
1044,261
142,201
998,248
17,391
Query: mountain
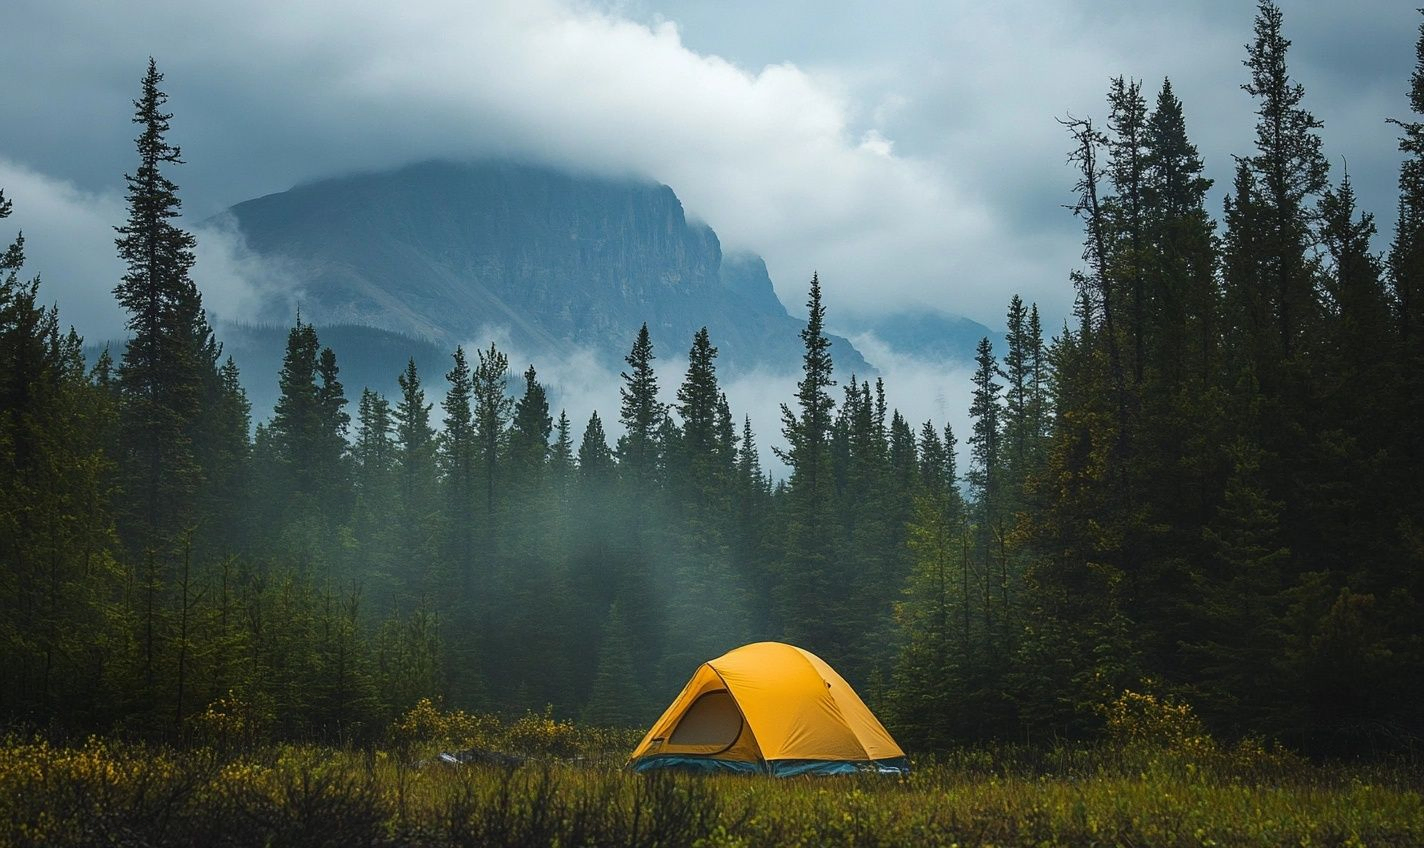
x,y
547,261
927,334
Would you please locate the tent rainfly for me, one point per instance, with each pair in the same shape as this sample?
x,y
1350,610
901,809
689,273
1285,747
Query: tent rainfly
x,y
769,708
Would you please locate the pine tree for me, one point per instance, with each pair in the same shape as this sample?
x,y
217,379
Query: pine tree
x,y
492,410
1289,169
296,427
1018,379
162,375
810,603
458,458
1184,318
616,699
415,461
642,416
986,441
59,576
335,425
698,400
375,523
595,459
529,437
529,466
1128,162
561,456
229,460
1406,270
1240,641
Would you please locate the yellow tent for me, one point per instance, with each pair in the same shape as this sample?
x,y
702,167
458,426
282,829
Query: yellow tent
x,y
771,708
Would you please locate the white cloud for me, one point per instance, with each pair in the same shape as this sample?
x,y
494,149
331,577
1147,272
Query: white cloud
x,y
237,284
771,157
69,243
771,120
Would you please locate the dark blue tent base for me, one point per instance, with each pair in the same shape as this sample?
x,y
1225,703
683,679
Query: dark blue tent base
x,y
776,768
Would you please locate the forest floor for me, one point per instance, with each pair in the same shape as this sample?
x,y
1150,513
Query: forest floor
x,y
101,792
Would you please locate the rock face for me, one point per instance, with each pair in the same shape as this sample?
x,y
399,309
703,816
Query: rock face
x,y
461,253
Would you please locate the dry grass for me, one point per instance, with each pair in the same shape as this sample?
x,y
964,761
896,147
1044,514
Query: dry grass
x,y
1171,787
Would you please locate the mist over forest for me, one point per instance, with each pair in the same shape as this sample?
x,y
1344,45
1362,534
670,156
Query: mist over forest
x,y
1206,485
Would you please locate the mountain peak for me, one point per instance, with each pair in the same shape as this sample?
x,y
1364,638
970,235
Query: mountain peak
x,y
552,261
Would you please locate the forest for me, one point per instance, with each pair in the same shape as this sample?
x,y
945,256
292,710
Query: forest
x,y
1207,488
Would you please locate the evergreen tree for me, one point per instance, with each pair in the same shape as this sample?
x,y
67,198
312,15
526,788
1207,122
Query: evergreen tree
x,y
335,425
642,416
492,410
1406,276
595,459
415,461
1128,163
529,438
703,444
810,604
616,699
1183,319
375,523
162,374
58,574
458,461
1018,433
562,462
297,420
1289,169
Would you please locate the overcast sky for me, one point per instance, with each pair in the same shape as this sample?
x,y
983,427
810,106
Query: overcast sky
x,y
905,148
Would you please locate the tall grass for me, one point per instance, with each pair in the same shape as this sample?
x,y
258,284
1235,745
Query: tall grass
x,y
1166,788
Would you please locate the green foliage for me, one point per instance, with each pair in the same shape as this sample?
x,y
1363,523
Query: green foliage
x,y
106,793
1211,480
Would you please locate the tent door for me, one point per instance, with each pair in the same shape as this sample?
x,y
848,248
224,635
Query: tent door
x,y
711,724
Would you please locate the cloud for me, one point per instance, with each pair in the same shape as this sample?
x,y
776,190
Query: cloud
x,y
269,95
772,121
237,284
69,243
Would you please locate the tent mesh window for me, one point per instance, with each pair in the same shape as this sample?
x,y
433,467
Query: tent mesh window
x,y
713,719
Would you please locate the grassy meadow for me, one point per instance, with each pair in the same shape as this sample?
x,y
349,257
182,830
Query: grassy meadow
x,y
1155,783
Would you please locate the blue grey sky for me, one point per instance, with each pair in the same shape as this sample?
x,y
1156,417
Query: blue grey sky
x,y
906,149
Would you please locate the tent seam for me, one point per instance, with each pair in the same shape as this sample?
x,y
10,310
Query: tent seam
x,y
761,754
856,736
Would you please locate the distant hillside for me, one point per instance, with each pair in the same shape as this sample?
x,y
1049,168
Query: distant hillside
x,y
369,357
551,261
927,335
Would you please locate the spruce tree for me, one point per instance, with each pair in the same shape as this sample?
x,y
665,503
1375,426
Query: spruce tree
x,y
375,516
492,410
595,459
58,574
1128,162
458,458
1290,170
641,414
1018,379
1406,271
166,363
529,436
297,419
1184,318
810,600
616,699
415,461
562,461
